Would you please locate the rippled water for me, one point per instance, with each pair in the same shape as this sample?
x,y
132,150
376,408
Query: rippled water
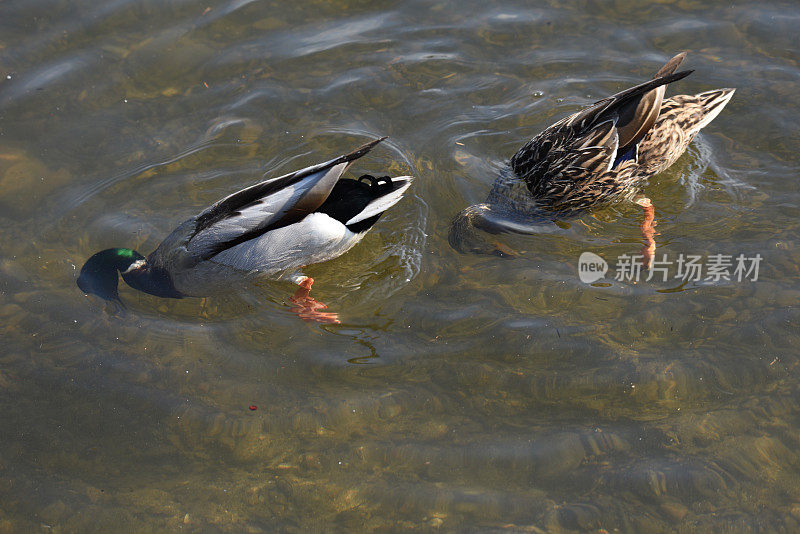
x,y
460,391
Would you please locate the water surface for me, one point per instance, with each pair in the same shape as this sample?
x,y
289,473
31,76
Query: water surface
x,y
459,391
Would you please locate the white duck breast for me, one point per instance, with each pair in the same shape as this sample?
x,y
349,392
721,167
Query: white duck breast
x,y
316,238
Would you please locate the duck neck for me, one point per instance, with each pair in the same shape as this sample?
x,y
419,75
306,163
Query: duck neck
x,y
149,278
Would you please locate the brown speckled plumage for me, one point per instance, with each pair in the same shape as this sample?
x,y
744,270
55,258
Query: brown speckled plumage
x,y
580,162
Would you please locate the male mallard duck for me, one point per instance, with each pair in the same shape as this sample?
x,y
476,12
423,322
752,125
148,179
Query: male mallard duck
x,y
274,226
591,158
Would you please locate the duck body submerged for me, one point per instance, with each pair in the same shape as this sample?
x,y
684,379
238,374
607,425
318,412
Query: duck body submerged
x,y
592,158
273,227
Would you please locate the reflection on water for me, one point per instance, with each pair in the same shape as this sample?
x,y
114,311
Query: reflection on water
x,y
460,390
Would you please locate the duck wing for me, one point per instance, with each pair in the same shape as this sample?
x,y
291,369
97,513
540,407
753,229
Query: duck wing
x,y
581,146
253,211
637,116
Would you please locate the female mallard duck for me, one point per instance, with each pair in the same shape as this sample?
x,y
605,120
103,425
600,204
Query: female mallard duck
x,y
275,226
591,158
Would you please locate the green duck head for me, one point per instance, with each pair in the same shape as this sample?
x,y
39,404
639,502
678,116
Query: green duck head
x,y
99,276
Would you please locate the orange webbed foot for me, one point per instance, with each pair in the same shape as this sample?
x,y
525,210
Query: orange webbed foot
x,y
308,308
648,230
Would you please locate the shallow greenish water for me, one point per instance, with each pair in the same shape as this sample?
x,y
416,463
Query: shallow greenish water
x,y
460,392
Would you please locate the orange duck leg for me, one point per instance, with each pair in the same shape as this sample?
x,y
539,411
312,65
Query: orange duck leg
x,y
308,308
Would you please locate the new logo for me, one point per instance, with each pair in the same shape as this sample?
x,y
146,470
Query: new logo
x,y
591,267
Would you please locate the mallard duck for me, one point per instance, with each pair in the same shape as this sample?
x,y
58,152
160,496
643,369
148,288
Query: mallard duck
x,y
599,155
273,227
